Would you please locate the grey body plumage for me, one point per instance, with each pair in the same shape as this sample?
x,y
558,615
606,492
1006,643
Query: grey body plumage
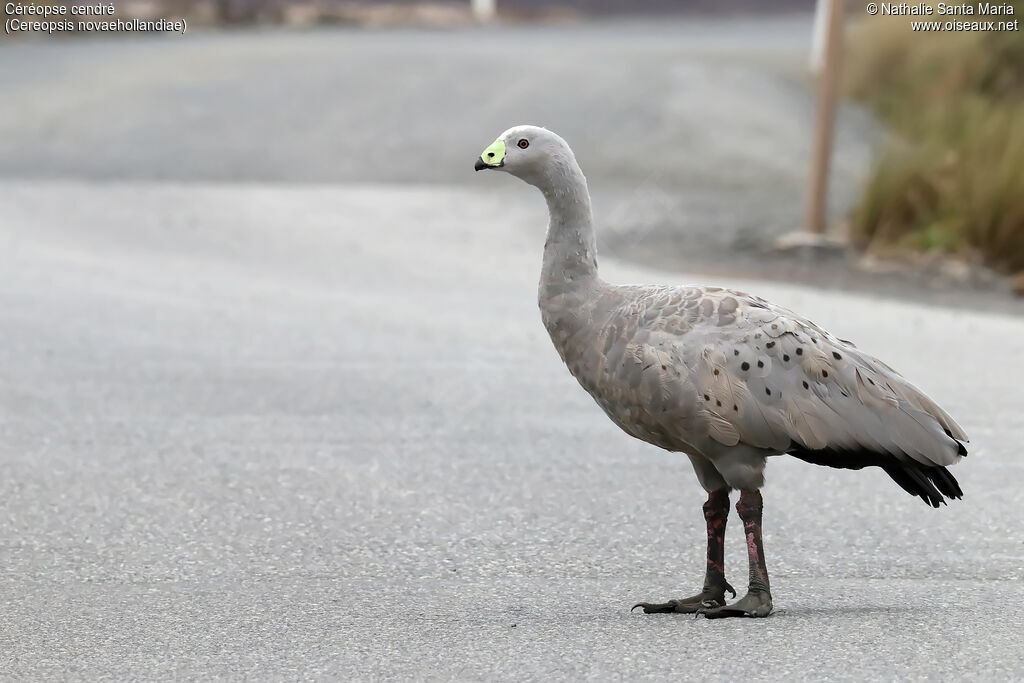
x,y
725,377
730,379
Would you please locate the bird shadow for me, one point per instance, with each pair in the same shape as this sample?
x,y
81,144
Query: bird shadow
x,y
846,610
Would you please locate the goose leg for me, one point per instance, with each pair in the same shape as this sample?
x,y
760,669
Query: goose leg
x,y
716,513
758,600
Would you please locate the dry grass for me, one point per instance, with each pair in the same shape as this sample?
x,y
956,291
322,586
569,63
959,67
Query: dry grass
x,y
955,180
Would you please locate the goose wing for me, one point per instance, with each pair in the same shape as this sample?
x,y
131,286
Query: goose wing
x,y
769,378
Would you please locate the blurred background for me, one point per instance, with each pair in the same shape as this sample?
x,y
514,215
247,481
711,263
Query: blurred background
x,y
276,402
695,120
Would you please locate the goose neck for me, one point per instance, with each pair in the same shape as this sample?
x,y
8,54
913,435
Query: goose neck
x,y
570,253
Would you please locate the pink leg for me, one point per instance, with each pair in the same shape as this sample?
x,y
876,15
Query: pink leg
x,y
758,600
716,513
749,507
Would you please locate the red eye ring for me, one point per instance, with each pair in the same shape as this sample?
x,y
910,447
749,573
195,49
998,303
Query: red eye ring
x,y
523,143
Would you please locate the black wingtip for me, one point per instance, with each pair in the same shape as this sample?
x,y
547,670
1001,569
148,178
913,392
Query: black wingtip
x,y
931,484
961,449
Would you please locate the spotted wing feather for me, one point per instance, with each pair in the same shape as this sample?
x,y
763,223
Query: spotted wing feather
x,y
815,389
783,382
716,372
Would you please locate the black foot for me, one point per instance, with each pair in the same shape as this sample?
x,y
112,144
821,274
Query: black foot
x,y
750,605
709,598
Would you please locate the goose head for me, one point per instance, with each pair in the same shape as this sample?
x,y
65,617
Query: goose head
x,y
531,153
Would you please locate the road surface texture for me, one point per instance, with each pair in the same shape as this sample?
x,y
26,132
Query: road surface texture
x,y
285,432
276,401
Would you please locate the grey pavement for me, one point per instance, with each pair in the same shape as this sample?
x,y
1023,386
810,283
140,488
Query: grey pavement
x,y
254,431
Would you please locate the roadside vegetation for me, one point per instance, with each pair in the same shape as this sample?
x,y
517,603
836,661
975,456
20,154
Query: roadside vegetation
x,y
952,180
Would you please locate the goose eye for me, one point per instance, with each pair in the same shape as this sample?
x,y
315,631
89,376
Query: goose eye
x,y
523,144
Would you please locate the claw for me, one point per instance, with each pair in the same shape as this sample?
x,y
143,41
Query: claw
x,y
750,605
710,598
654,608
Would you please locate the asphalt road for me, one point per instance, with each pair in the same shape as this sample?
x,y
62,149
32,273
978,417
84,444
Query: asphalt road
x,y
319,433
276,402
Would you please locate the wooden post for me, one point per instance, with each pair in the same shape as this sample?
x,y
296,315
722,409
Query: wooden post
x,y
817,56
824,125
484,10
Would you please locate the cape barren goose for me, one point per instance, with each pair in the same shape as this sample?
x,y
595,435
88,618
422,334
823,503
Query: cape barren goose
x,y
725,377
